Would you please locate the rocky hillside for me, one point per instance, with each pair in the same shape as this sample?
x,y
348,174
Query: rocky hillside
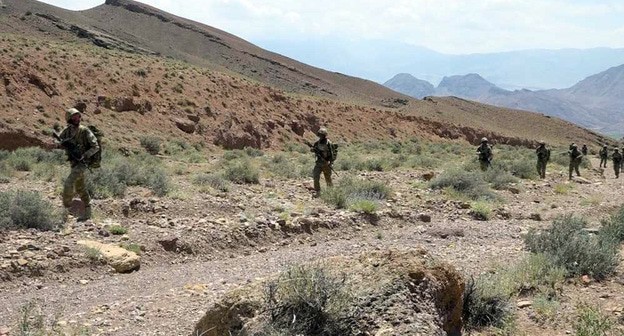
x,y
212,88
595,102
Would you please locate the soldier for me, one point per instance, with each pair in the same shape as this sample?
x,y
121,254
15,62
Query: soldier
x,y
604,155
575,160
543,156
617,162
484,151
84,145
584,150
325,156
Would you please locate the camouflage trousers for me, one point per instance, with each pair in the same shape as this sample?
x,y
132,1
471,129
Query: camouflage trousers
x,y
321,167
574,166
616,169
541,168
75,184
484,164
603,162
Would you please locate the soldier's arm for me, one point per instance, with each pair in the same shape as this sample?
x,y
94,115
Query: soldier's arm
x,y
94,148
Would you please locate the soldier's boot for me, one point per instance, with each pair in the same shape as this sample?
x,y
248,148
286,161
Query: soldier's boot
x,y
87,214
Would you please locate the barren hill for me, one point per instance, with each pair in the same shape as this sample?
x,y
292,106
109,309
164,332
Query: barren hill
x,y
226,91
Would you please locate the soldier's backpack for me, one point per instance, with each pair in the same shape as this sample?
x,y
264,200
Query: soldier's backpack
x,y
95,161
333,151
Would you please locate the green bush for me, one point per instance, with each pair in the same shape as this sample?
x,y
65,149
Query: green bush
x,y
613,227
350,191
535,273
117,230
499,178
364,205
575,249
234,154
466,183
481,211
26,210
253,152
483,305
241,172
591,321
151,144
321,302
214,181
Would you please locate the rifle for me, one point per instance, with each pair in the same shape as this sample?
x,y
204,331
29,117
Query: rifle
x,y
319,155
72,151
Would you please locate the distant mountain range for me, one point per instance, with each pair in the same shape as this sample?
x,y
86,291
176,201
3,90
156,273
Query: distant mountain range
x,y
596,102
378,60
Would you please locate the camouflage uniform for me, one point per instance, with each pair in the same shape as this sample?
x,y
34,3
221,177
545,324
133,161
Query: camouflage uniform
x,y
324,156
604,155
484,151
576,157
543,156
87,145
617,162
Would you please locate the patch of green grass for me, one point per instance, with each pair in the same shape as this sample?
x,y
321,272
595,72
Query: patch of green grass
x,y
481,210
118,230
546,309
350,191
214,181
466,183
366,206
93,254
563,188
591,321
132,247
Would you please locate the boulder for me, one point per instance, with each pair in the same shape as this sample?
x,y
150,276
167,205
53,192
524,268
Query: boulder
x,y
185,125
120,259
405,289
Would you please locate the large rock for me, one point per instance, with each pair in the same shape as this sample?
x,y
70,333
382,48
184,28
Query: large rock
x,y
187,126
396,292
122,260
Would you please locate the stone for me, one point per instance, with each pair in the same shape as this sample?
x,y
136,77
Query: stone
x,y
80,106
524,304
514,190
581,180
423,217
120,259
535,217
22,262
193,117
428,176
586,280
186,126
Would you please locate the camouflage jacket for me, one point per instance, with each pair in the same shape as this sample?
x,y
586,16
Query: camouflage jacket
x,y
543,153
575,154
604,153
617,158
82,138
323,151
484,152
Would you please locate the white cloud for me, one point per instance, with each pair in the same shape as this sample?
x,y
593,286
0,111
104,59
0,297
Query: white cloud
x,y
454,26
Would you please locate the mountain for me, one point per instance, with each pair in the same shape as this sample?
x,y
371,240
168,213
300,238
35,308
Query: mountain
x,y
596,102
410,85
379,60
136,70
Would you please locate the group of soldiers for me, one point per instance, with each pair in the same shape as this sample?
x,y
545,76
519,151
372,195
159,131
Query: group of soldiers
x,y
83,139
484,152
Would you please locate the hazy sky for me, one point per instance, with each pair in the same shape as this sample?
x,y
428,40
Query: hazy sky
x,y
450,26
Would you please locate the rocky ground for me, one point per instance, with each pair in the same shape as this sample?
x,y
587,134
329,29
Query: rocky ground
x,y
196,246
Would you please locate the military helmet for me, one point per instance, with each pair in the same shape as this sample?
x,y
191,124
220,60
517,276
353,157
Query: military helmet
x,y
484,139
616,149
322,131
604,146
69,113
573,145
541,142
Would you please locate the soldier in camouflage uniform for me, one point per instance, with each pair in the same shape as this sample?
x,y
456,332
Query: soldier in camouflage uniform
x,y
87,145
543,156
617,162
576,157
604,155
324,160
484,151
584,150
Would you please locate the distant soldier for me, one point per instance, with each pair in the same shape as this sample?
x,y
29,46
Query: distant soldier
x,y
543,156
617,162
604,155
325,153
584,150
80,144
484,151
576,157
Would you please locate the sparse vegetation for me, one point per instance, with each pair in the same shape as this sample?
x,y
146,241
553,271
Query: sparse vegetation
x,y
484,306
572,247
591,321
465,183
27,209
214,181
151,144
117,230
242,171
481,210
350,191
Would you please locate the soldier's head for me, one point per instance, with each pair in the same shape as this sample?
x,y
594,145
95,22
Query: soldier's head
x,y
542,143
73,116
573,146
604,146
484,140
616,149
322,132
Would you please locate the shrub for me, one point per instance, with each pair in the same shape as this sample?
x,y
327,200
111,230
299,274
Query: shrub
x,y
591,321
546,308
469,184
118,230
253,152
242,171
535,273
214,181
320,301
234,154
26,210
364,205
575,249
613,228
499,178
350,191
483,305
481,211
151,144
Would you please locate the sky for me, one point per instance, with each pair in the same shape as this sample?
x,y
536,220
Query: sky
x,y
447,26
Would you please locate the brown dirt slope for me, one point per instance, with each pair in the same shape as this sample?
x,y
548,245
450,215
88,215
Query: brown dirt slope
x,y
109,59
